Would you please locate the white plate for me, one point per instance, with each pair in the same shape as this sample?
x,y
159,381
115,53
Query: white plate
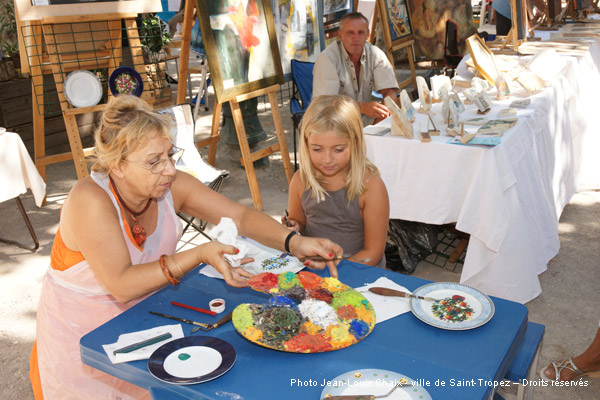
x,y
83,89
482,305
376,382
190,360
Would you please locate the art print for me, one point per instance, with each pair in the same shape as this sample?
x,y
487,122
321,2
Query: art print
x,y
424,93
241,46
407,105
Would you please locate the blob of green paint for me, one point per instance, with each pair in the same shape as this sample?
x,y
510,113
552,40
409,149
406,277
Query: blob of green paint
x,y
183,356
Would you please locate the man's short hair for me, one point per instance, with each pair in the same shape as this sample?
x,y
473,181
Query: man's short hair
x,y
353,15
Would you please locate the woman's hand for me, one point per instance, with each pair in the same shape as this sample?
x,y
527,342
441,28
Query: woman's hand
x,y
301,246
213,253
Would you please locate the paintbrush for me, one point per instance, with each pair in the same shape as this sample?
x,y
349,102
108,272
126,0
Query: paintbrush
x,y
337,257
187,321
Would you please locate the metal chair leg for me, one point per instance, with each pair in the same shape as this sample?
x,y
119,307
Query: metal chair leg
x,y
29,226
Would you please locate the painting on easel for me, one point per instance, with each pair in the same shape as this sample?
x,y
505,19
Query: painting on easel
x,y
396,20
299,34
241,46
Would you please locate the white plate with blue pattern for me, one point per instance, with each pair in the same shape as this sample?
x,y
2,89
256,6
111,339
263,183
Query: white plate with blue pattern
x,y
479,306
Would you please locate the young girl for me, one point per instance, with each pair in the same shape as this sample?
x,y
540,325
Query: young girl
x,y
337,193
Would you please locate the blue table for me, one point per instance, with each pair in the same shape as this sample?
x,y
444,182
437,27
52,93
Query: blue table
x,y
467,363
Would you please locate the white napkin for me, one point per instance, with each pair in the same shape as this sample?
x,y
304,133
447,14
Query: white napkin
x,y
134,337
385,307
226,232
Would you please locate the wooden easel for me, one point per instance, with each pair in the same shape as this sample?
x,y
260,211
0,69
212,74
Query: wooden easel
x,y
184,61
247,157
513,33
55,43
390,48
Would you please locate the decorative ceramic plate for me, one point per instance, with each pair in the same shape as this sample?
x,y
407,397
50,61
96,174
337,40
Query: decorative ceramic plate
x,y
458,307
307,314
190,360
125,80
82,89
377,382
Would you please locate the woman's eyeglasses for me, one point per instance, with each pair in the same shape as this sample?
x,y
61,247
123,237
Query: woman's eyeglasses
x,y
160,165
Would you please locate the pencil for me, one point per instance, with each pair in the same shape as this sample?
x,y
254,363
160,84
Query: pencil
x,y
144,343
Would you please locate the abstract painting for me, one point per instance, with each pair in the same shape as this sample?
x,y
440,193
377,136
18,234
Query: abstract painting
x,y
241,46
298,32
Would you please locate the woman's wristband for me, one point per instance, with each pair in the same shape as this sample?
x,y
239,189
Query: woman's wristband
x,y
287,241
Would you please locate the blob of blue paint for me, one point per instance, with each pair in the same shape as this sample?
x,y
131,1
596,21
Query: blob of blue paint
x,y
281,301
358,328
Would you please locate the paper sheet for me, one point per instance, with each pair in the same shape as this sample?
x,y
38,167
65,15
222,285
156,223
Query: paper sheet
x,y
386,307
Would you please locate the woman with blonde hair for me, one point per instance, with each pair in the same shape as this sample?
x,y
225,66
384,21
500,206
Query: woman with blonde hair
x,y
337,192
116,244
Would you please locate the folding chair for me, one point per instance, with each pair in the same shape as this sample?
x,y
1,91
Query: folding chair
x,y
192,161
302,95
452,55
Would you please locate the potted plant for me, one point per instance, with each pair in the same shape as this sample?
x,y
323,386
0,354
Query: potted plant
x,y
154,37
11,62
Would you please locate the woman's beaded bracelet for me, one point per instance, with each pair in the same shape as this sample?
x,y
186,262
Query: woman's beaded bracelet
x,y
172,280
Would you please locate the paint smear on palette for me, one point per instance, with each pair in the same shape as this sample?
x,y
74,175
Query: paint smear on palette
x,y
306,314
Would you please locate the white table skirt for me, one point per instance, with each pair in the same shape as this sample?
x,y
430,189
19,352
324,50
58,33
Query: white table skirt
x,y
17,170
508,198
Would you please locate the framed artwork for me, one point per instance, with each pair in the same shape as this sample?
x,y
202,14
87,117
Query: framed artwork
x,y
241,46
483,59
395,21
299,30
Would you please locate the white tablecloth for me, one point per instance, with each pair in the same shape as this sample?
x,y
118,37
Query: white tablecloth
x,y
508,198
17,170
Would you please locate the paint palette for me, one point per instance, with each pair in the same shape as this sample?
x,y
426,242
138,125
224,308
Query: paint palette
x,y
306,314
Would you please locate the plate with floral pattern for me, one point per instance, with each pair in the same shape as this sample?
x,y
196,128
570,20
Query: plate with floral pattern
x,y
457,306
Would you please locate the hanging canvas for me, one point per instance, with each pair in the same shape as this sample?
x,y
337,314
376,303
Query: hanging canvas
x,y
299,33
241,46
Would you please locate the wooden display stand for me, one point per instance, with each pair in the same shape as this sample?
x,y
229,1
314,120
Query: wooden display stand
x,y
248,158
391,47
58,39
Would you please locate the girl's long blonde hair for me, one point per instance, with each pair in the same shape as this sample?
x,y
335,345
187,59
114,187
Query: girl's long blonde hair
x,y
127,123
339,114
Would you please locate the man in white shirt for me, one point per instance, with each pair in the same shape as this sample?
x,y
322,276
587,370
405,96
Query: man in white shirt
x,y
353,67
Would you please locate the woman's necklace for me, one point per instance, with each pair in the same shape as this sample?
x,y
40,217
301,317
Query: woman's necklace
x,y
137,230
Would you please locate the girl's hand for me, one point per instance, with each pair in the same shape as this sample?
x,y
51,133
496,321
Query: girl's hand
x,y
212,253
307,246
